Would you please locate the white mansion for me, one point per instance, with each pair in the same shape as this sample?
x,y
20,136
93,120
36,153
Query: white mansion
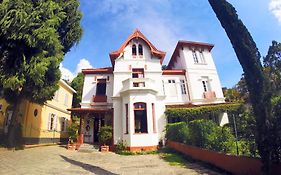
x,y
133,94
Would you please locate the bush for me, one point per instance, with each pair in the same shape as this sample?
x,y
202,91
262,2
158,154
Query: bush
x,y
105,135
73,130
121,146
177,132
206,134
202,133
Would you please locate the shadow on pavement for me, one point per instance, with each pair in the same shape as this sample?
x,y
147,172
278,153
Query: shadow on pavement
x,y
88,167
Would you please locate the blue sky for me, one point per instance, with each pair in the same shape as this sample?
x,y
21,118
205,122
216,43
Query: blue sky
x,y
108,23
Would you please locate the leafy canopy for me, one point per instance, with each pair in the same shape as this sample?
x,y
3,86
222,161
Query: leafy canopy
x,y
77,84
34,36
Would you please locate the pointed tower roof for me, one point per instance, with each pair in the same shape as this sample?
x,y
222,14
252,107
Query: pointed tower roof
x,y
137,34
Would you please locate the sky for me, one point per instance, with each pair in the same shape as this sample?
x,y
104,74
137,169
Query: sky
x,y
107,24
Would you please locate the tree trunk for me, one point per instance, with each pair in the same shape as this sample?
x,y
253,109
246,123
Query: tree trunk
x,y
14,123
258,85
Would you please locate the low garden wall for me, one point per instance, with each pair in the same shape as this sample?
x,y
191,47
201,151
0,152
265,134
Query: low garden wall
x,y
234,164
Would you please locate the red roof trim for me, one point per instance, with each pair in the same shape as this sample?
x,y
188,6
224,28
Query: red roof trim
x,y
106,70
83,110
174,72
182,43
137,34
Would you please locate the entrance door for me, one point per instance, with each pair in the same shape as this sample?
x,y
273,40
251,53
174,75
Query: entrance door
x,y
88,131
98,123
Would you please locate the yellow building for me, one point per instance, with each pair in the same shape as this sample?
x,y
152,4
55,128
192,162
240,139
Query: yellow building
x,y
42,123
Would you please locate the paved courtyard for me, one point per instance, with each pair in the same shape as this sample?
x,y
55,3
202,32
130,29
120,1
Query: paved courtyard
x,y
59,161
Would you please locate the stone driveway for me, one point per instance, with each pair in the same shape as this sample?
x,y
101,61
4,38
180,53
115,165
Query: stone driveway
x,y
59,161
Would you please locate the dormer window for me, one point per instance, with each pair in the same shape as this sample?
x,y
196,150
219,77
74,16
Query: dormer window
x,y
134,50
140,50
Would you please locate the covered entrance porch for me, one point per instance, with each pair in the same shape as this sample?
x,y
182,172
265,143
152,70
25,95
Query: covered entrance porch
x,y
91,121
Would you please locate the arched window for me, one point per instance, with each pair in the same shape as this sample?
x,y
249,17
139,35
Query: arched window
x,y
140,50
134,49
140,117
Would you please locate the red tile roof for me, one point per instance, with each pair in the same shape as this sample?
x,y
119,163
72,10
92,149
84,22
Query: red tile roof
x,y
105,70
137,34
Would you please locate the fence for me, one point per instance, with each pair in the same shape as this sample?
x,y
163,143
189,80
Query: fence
x,y
239,165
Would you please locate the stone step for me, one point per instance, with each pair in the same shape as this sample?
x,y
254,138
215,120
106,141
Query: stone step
x,y
88,148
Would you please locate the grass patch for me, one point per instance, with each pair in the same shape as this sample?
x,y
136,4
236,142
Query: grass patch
x,y
172,157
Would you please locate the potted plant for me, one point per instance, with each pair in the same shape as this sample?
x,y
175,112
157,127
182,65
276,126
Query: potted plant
x,y
105,136
72,135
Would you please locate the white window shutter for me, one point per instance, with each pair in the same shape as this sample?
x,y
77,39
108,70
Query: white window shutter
x,y
55,123
49,122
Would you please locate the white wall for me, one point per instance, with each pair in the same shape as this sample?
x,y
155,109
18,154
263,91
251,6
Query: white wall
x,y
90,84
173,91
196,71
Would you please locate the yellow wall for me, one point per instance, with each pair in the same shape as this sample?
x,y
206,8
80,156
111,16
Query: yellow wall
x,y
35,128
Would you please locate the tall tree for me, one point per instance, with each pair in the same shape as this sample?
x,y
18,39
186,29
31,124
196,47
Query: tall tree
x,y
258,85
34,36
77,84
272,65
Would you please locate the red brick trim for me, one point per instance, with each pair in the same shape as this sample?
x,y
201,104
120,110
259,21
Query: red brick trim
x,y
143,148
106,70
174,72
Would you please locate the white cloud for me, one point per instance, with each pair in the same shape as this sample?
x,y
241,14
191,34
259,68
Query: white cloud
x,y
160,26
83,64
66,74
275,9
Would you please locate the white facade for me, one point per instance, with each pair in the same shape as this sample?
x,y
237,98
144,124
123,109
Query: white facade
x,y
138,91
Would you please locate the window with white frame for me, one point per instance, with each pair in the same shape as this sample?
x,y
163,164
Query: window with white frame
x,y
140,49
206,84
137,49
66,99
183,87
195,58
171,81
134,50
202,58
52,122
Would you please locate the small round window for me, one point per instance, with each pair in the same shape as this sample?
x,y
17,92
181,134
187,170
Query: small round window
x,y
35,112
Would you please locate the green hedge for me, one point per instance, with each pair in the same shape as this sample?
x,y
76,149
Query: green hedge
x,y
201,112
177,132
207,134
202,133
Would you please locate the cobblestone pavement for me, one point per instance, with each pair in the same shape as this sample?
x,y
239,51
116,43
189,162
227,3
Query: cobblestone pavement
x,y
59,161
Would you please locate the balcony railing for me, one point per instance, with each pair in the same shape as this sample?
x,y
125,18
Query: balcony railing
x,y
99,98
209,95
138,84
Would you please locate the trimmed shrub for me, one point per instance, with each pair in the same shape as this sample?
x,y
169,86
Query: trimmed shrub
x,y
200,112
207,134
177,132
